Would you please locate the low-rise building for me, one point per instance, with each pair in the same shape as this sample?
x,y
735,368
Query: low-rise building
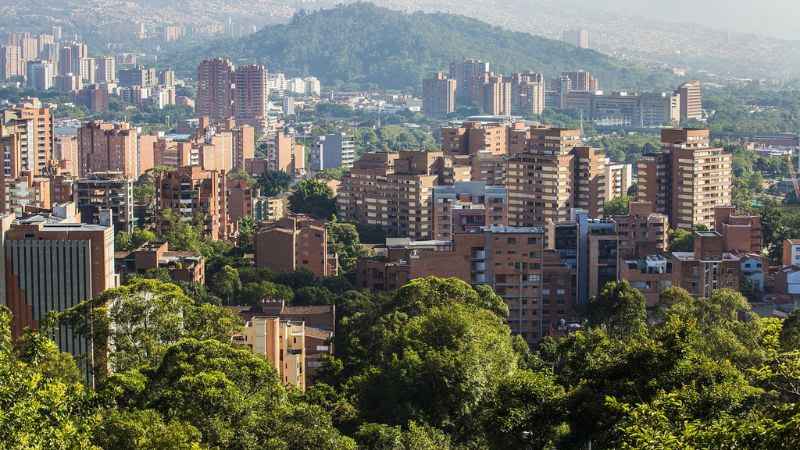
x,y
293,243
183,266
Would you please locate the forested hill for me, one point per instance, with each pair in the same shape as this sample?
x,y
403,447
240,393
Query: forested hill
x,y
367,45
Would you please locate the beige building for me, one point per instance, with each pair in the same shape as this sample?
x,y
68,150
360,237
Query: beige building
x,y
193,193
293,243
688,179
540,180
280,342
26,138
691,101
497,96
619,179
395,190
438,95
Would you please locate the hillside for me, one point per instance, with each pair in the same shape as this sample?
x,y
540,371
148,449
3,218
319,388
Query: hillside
x,y
364,44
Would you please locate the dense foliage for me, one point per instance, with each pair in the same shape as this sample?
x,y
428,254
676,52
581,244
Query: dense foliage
x,y
430,366
313,197
367,45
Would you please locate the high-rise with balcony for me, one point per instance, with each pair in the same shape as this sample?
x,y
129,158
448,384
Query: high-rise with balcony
x,y
195,194
106,69
11,63
541,179
26,138
527,93
108,147
687,179
215,89
250,96
438,95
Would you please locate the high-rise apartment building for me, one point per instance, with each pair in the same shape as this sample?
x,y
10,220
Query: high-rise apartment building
x,y
470,75
691,101
293,243
540,180
195,194
88,70
215,89
497,96
108,147
619,179
40,75
688,179
251,96
27,138
106,69
581,81
11,62
579,38
438,95
106,191
333,151
527,93
590,183
286,154
138,76
50,267
642,232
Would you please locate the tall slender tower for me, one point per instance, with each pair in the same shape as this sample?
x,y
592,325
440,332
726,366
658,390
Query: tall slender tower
x,y
251,95
215,89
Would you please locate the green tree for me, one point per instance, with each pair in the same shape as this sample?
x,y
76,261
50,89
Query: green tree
x,y
620,308
313,197
617,207
681,240
345,243
274,182
226,283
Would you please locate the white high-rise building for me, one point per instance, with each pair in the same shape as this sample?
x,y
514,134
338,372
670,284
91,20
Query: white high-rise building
x,y
312,86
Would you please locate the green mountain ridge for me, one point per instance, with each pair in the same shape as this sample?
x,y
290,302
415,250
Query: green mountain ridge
x,y
365,45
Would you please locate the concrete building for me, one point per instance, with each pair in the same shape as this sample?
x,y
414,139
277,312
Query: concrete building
x,y
579,38
88,70
270,209
470,75
26,138
536,284
280,342
11,62
619,179
66,153
333,151
24,193
140,76
581,81
241,198
286,154
497,96
293,243
438,95
395,191
215,89
740,232
590,182
108,147
540,180
106,70
467,206
527,93
195,194
101,192
250,96
691,101
50,267
642,231
93,97
184,266
687,180
791,252
40,75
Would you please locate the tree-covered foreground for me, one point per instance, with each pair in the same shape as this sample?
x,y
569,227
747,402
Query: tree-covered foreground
x,y
431,366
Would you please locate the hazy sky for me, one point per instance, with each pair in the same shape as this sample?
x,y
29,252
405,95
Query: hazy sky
x,y
780,18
